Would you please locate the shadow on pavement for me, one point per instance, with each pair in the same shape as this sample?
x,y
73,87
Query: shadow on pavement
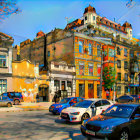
x,y
36,127
39,126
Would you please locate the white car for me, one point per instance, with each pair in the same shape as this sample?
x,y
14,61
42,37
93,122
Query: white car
x,y
85,109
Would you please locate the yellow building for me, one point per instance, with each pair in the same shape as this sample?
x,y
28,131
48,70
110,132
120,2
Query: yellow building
x,y
88,65
26,78
122,70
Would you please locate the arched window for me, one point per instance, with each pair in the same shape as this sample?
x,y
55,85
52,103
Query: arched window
x,y
90,49
80,47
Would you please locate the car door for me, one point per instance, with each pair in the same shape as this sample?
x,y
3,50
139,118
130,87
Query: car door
x,y
98,107
92,110
4,100
1,103
135,122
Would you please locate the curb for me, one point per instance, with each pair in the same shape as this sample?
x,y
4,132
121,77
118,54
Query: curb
x,y
25,109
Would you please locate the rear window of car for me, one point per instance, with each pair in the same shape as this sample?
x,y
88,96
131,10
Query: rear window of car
x,y
105,102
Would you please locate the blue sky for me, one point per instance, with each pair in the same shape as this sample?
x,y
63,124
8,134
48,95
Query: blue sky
x,y
45,15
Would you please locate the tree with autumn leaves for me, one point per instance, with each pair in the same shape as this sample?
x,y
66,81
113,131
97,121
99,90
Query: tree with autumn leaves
x,y
108,77
7,8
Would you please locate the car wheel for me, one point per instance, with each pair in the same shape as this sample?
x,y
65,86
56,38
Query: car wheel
x,y
83,133
124,135
84,117
9,104
54,113
16,102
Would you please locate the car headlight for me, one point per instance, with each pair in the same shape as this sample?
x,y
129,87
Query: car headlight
x,y
58,106
108,128
75,113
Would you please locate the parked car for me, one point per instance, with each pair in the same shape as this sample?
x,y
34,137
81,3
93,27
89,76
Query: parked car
x,y
64,103
85,109
16,96
6,101
136,97
118,122
125,99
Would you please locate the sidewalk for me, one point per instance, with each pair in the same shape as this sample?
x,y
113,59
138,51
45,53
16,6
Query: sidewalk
x,y
27,107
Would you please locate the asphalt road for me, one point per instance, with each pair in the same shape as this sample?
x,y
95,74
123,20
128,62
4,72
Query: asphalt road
x,y
37,125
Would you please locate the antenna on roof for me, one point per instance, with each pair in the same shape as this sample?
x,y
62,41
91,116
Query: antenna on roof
x,y
90,3
68,19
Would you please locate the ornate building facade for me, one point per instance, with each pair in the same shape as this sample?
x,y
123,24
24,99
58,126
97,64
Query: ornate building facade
x,y
6,42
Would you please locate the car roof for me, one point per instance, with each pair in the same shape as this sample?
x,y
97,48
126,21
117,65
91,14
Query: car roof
x,y
95,99
70,97
126,104
74,97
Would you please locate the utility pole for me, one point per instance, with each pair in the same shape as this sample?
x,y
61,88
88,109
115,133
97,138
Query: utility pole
x,y
101,76
68,19
115,72
45,50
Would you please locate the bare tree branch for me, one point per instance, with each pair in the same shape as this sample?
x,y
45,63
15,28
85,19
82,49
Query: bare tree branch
x,y
7,8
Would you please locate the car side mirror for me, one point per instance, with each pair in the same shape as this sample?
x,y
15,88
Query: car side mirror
x,y
92,106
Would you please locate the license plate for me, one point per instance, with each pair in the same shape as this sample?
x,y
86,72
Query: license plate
x,y
90,132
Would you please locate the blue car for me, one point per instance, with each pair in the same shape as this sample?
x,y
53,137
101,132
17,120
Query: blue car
x,y
118,122
64,103
6,101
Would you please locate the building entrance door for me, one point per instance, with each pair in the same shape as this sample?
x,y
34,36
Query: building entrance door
x,y
81,90
90,91
43,93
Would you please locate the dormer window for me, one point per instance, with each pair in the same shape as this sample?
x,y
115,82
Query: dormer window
x,y
86,18
115,26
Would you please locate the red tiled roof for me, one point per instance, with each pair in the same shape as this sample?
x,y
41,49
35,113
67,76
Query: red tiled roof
x,y
127,25
40,33
89,9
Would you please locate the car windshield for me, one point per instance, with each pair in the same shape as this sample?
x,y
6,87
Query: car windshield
x,y
118,111
84,104
134,95
65,100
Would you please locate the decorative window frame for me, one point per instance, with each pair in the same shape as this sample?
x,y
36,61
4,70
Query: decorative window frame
x,y
91,64
82,64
